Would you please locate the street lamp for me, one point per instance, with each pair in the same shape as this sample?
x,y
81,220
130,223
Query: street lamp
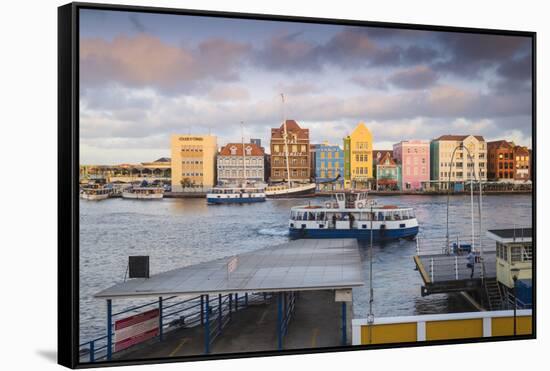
x,y
515,274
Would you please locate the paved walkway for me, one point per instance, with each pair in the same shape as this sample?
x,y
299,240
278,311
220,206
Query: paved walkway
x,y
316,323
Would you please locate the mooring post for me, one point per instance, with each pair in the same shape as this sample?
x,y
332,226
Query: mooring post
x,y
202,309
161,331
220,313
344,329
207,325
280,321
109,329
92,351
230,304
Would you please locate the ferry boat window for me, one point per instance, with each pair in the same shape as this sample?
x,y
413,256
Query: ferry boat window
x,y
516,254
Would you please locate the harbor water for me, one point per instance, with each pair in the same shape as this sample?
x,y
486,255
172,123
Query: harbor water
x,y
179,232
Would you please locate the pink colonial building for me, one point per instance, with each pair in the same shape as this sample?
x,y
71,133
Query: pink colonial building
x,y
414,157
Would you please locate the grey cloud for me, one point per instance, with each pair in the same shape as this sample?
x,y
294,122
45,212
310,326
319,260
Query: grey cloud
x,y
370,82
469,54
418,77
349,48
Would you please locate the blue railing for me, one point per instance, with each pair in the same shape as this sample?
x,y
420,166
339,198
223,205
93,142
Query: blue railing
x,y
285,309
212,311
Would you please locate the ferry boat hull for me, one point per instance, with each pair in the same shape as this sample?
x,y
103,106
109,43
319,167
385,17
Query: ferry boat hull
x,y
94,197
213,199
378,235
142,196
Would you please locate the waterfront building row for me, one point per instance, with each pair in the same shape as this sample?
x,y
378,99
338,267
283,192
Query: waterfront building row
x,y
197,161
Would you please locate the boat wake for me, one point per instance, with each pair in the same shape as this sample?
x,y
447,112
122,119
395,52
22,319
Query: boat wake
x,y
279,232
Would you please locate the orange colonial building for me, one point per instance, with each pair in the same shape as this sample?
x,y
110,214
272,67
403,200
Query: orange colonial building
x,y
507,161
500,155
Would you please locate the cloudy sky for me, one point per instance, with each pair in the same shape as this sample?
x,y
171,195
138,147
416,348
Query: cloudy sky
x,y
145,76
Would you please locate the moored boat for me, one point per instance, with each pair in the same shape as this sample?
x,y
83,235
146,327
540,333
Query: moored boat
x,y
228,195
95,191
289,190
353,215
144,191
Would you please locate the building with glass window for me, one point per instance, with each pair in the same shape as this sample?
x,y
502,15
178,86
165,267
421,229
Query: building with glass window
x,y
414,157
514,261
230,166
297,143
193,161
329,167
387,171
358,162
469,161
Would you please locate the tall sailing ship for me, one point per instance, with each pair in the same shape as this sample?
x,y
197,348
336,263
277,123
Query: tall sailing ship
x,y
289,188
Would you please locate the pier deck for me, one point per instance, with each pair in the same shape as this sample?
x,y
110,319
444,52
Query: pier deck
x,y
307,284
442,273
316,324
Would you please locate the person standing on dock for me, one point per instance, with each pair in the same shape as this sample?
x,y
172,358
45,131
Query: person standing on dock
x,y
471,260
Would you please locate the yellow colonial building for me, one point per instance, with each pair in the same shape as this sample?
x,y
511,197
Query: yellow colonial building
x,y
358,158
193,161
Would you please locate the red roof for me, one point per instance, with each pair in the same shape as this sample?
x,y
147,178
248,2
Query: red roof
x,y
458,137
500,143
226,150
387,155
382,153
291,127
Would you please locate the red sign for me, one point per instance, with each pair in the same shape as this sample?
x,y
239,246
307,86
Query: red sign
x,y
136,329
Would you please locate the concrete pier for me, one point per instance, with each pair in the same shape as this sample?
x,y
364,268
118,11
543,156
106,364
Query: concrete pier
x,y
296,295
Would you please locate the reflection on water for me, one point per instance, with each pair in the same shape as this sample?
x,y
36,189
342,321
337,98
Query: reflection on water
x,y
178,232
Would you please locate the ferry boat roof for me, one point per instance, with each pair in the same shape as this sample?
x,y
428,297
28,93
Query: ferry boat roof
x,y
335,204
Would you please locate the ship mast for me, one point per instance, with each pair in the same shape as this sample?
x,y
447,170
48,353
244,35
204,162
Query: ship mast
x,y
285,136
244,159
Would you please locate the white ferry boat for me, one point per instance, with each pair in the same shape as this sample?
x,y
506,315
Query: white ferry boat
x,y
95,191
353,215
143,192
228,195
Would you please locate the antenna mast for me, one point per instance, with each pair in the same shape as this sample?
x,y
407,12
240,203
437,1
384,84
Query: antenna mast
x,y
285,136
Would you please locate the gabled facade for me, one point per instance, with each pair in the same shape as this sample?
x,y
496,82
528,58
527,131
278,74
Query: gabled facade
x,y
298,153
388,173
232,169
358,157
469,162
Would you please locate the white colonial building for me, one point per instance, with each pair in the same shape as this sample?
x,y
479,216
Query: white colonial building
x,y
231,168
469,162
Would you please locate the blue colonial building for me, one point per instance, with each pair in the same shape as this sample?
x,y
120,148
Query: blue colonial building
x,y
329,167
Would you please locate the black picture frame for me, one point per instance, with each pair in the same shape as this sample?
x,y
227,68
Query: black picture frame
x,y
68,170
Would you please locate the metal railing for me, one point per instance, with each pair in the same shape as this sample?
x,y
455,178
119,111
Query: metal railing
x,y
175,314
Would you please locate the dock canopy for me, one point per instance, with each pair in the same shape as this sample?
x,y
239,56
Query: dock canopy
x,y
511,235
299,265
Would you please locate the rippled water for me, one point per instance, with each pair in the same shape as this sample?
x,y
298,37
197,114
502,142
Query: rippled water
x,y
178,232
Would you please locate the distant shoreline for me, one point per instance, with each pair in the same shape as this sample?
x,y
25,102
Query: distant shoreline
x,y
375,193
